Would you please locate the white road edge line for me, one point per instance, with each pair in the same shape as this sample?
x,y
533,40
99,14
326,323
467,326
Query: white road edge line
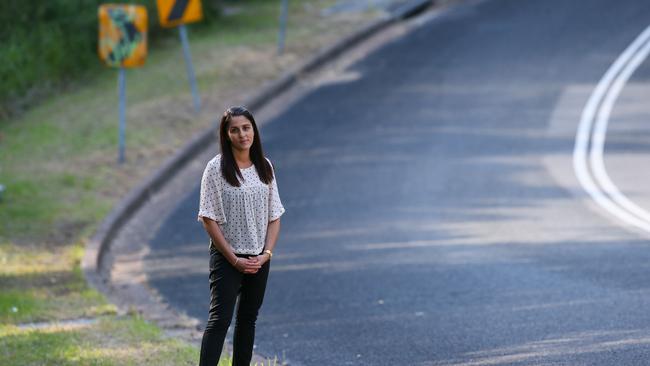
x,y
598,108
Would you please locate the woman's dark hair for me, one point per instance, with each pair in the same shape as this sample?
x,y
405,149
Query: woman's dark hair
x,y
229,168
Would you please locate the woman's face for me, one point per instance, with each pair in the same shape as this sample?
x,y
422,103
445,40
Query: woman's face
x,y
240,133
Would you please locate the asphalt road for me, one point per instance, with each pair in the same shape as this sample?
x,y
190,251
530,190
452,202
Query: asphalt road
x,y
433,217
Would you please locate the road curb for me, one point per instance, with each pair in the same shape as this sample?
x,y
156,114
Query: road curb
x,y
98,244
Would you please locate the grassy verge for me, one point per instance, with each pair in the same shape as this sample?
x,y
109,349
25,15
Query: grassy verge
x,y
39,285
118,341
58,163
131,341
58,160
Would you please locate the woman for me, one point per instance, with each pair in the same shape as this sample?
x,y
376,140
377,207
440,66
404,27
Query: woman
x,y
240,209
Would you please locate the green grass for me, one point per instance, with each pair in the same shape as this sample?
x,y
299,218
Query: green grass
x,y
33,305
226,360
111,341
43,286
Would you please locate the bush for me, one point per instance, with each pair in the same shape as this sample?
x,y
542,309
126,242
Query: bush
x,y
48,43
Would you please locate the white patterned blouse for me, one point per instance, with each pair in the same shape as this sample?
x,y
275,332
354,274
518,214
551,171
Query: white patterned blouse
x,y
243,212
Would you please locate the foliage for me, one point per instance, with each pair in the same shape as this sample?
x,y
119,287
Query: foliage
x,y
46,44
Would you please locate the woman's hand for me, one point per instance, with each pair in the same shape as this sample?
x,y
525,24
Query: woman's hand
x,y
248,265
263,258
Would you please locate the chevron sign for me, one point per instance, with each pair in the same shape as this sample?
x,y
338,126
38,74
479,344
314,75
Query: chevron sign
x,y
172,13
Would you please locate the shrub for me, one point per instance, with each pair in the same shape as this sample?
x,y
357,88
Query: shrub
x,y
46,44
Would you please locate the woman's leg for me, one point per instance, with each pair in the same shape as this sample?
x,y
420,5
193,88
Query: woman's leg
x,y
250,301
225,281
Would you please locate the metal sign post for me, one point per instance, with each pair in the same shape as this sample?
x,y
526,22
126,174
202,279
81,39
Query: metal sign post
x,y
190,69
283,25
121,87
177,13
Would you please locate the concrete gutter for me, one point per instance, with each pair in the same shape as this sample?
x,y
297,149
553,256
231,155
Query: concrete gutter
x,y
98,244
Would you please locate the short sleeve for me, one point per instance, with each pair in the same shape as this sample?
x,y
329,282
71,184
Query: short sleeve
x,y
211,202
275,205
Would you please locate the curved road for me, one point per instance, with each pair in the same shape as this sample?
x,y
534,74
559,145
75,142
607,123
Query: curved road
x,y
433,216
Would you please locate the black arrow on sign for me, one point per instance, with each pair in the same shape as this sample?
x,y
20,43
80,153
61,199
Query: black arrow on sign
x,y
177,10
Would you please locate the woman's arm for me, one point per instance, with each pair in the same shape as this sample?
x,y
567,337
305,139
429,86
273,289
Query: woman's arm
x,y
242,264
272,234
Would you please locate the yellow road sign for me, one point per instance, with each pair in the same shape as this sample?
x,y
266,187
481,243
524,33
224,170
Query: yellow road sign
x,y
173,13
122,35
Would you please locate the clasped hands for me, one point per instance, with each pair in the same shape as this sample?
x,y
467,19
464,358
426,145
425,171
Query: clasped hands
x,y
251,265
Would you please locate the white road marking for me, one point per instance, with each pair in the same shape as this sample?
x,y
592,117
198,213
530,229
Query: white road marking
x,y
598,109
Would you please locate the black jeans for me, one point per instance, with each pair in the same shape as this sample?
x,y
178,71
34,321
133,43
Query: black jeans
x,y
226,282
